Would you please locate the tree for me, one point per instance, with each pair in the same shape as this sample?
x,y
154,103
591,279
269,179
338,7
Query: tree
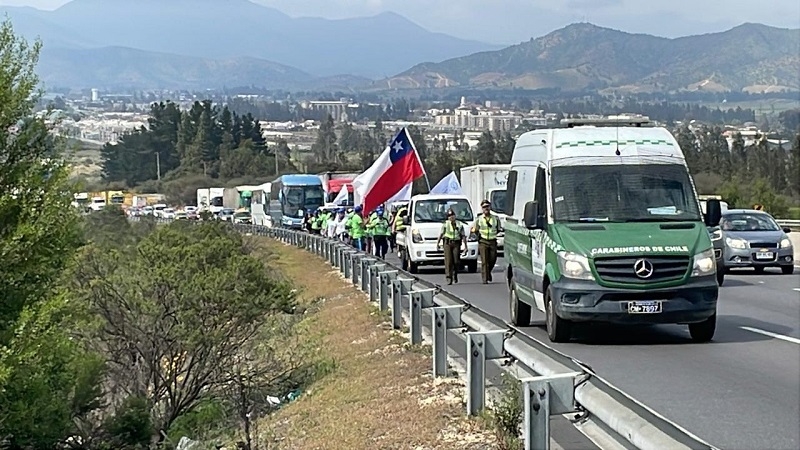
x,y
176,313
46,379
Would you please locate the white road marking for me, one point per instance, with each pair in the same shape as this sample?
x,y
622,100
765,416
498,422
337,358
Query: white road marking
x,y
793,340
796,289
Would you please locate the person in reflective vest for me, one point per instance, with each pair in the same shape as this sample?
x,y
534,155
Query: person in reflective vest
x,y
357,229
486,226
398,226
379,228
453,242
316,222
324,218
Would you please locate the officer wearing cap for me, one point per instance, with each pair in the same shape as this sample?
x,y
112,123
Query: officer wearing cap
x,y
452,236
487,226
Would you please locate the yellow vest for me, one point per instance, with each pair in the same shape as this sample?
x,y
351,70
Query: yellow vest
x,y
486,227
451,231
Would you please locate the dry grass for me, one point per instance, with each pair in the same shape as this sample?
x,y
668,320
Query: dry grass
x,y
380,395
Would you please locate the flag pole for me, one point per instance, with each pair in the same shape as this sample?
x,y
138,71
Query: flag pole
x,y
416,153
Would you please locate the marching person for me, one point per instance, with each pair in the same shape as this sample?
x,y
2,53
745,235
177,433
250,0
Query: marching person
x,y
487,226
341,222
452,236
357,229
398,226
379,228
330,229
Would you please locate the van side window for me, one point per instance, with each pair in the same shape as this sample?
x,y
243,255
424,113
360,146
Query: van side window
x,y
511,192
540,191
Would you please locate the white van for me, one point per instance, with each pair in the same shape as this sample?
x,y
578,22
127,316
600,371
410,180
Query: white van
x,y
426,214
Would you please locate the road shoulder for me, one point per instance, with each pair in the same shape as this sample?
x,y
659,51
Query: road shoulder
x,y
377,391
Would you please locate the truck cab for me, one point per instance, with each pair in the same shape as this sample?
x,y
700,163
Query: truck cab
x,y
604,225
487,182
426,214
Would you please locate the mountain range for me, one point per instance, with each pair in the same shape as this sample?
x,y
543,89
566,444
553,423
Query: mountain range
x,y
226,30
750,57
198,44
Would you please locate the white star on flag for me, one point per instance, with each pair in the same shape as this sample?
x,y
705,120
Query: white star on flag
x,y
398,147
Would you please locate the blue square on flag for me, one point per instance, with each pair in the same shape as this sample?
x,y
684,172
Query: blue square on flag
x,y
400,146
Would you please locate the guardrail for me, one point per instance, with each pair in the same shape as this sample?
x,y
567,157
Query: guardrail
x,y
793,224
563,385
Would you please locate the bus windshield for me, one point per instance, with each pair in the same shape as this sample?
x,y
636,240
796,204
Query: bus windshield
x,y
306,198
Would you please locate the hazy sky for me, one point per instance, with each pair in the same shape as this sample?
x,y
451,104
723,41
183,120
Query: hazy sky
x,y
512,21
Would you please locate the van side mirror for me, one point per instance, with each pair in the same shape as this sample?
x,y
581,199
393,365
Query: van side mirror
x,y
787,230
533,220
713,212
406,220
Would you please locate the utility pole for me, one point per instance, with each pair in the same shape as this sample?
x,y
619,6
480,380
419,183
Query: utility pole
x,y
158,166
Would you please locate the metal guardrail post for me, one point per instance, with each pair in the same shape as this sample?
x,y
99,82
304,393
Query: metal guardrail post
x,y
482,346
419,300
363,277
385,286
443,318
400,287
347,264
356,269
375,280
544,397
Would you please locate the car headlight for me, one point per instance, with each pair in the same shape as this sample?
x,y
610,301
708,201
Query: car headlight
x,y
574,266
704,263
416,237
786,243
472,237
736,243
716,235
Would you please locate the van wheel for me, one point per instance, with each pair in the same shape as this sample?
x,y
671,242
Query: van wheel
x,y
413,267
703,331
787,270
720,276
520,312
472,266
404,261
558,329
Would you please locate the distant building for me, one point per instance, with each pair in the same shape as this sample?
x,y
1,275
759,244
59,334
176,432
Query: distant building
x,y
95,95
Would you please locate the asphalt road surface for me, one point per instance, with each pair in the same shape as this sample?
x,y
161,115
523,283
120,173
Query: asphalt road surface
x,y
741,391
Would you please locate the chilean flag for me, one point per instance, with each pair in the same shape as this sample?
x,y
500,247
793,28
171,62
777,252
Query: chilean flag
x,y
395,168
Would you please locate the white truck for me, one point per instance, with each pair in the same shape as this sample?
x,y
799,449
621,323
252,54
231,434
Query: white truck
x,y
426,214
487,182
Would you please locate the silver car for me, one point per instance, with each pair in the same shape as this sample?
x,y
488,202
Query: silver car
x,y
753,239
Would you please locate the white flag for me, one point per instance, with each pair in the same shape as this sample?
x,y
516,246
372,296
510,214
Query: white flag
x,y
341,197
448,185
403,196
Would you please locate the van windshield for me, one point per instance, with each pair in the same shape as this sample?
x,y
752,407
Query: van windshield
x,y
623,193
427,211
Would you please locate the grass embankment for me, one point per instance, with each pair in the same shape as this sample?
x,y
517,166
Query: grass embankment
x,y
379,393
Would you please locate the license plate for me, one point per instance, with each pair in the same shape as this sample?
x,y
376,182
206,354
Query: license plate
x,y
765,255
644,307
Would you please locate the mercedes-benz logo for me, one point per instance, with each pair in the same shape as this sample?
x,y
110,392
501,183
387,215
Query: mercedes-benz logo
x,y
643,268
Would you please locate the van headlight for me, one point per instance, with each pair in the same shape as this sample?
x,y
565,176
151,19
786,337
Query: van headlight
x,y
786,243
704,264
575,266
472,236
736,243
416,237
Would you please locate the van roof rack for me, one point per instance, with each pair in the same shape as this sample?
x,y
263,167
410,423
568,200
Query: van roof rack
x,y
607,121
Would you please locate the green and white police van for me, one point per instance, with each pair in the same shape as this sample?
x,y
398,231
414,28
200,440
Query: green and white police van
x,y
604,225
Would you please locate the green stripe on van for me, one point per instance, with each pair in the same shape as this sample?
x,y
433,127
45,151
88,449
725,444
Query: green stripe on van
x,y
539,235
612,142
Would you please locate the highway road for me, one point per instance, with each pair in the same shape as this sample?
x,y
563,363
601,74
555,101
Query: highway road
x,y
741,391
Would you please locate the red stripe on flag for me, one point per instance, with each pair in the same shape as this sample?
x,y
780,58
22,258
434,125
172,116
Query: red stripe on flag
x,y
396,177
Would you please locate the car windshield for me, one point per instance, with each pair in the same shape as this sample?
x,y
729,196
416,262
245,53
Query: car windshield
x,y
227,212
427,211
242,215
623,193
748,222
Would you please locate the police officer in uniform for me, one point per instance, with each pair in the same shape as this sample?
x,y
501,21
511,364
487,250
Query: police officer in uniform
x,y
452,236
486,226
